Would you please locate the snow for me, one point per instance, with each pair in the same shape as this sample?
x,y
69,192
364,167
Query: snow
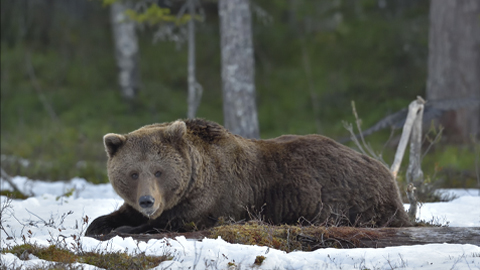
x,y
48,217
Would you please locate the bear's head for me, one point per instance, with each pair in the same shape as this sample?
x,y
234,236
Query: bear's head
x,y
150,168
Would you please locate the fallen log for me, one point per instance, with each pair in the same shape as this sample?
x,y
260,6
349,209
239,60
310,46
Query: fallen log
x,y
347,237
410,236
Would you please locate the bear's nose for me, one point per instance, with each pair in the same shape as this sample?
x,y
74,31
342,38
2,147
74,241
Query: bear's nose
x,y
146,201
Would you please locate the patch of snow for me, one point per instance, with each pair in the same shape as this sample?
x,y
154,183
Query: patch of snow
x,y
82,188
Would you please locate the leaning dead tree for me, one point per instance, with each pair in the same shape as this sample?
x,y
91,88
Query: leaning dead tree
x,y
412,130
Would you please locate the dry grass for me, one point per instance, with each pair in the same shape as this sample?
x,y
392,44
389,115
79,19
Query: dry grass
x,y
289,238
106,260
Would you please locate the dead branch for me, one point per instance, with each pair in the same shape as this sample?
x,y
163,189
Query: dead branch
x,y
8,178
413,109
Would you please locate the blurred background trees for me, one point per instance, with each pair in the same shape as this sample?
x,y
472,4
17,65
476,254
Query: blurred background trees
x,y
309,60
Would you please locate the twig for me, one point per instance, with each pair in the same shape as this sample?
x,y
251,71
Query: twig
x,y
353,137
359,124
6,204
46,223
435,140
349,127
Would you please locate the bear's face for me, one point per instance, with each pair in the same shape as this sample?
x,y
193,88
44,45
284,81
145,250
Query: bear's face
x,y
149,168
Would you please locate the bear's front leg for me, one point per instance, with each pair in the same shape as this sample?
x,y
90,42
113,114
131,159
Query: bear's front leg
x,y
123,217
144,228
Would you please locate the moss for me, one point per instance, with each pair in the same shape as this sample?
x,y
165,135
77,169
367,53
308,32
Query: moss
x,y
256,233
107,260
259,260
120,260
289,238
13,194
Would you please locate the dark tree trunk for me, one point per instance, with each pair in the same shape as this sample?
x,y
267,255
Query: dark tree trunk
x,y
126,49
454,63
238,74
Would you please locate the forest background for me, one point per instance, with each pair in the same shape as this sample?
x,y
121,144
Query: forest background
x,y
60,92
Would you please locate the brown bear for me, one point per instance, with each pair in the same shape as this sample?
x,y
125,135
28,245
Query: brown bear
x,y
196,172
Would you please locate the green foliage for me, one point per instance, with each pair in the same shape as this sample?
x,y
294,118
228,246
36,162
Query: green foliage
x,y
66,194
109,2
155,15
13,194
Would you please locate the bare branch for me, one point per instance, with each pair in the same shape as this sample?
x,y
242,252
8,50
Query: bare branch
x,y
354,137
8,178
349,127
432,142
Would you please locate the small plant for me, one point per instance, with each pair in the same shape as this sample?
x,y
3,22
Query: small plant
x,y
231,265
259,260
67,194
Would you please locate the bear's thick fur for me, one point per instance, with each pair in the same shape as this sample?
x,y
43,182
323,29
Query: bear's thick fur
x,y
173,174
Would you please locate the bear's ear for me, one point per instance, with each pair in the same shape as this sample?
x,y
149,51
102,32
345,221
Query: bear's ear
x,y
176,130
113,142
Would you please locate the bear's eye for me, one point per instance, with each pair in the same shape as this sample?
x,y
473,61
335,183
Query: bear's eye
x,y
134,176
158,173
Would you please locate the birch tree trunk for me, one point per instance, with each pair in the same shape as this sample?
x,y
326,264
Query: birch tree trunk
x,y
238,74
454,62
126,49
194,88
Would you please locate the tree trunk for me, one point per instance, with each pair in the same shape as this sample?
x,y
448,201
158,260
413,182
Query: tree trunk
x,y
194,88
454,63
238,74
126,49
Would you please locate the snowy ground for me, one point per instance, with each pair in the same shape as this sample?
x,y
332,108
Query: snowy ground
x,y
40,217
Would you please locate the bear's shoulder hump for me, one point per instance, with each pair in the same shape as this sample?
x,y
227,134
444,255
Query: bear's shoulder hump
x,y
206,130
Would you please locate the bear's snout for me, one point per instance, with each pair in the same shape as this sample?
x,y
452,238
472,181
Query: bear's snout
x,y
146,201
